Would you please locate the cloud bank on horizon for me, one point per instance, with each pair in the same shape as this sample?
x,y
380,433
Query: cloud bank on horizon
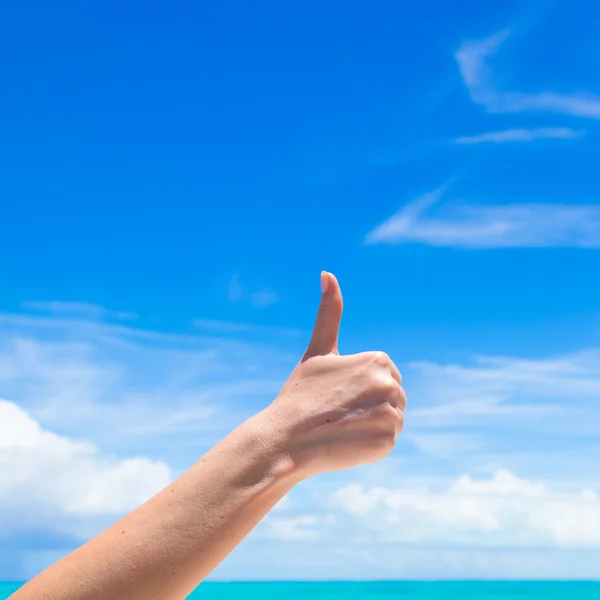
x,y
58,481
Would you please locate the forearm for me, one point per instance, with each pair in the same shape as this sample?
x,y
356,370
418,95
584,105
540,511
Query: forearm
x,y
166,547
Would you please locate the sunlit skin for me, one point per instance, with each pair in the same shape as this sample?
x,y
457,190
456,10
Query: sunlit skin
x,y
334,412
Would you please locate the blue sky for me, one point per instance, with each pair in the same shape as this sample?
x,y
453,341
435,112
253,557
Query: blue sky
x,y
172,181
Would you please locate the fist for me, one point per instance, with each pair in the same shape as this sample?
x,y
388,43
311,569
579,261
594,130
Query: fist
x,y
338,412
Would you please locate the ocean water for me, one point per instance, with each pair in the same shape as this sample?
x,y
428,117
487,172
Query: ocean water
x,y
403,590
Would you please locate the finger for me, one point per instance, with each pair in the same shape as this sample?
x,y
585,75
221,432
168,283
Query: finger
x,y
401,400
399,422
393,393
324,338
377,359
395,372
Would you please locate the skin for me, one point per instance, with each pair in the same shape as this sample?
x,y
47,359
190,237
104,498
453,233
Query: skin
x,y
334,412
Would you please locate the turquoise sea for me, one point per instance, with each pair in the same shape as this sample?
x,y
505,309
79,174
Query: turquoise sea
x,y
403,590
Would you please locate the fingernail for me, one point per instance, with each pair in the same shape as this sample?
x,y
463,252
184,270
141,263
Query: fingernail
x,y
324,282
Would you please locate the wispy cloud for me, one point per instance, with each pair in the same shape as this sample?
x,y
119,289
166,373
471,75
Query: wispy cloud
x,y
398,226
236,291
520,135
122,386
78,309
463,225
234,327
258,297
472,58
263,298
298,527
511,392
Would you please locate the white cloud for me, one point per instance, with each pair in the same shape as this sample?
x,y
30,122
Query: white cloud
x,y
64,485
259,298
472,58
504,511
519,135
463,225
79,309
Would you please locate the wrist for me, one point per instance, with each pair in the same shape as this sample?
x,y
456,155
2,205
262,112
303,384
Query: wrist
x,y
273,438
270,446
288,436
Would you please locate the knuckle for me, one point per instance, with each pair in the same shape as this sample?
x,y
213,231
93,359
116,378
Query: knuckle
x,y
390,389
318,364
390,418
389,413
402,398
400,375
380,359
399,422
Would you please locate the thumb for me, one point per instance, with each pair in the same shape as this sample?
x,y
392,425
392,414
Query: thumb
x,y
324,339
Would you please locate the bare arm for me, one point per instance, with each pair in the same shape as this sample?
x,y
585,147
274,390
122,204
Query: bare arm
x,y
168,545
333,413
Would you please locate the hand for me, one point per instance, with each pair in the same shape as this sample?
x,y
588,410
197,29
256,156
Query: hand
x,y
337,412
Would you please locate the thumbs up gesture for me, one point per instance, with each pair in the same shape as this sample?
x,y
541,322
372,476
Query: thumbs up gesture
x,y
337,412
